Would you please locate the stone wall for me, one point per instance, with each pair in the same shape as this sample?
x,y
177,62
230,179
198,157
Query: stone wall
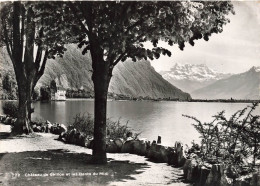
x,y
47,126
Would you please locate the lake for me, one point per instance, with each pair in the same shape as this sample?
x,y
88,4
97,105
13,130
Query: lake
x,y
151,118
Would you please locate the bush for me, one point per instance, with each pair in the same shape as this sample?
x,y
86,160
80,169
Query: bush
x,y
9,87
115,129
37,120
234,141
10,108
84,123
45,93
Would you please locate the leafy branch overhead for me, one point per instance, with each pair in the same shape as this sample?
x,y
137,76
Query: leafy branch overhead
x,y
46,19
121,28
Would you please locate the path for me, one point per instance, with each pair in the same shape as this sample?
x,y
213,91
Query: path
x,y
42,160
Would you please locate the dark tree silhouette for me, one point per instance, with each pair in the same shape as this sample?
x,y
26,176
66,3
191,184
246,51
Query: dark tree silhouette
x,y
26,27
115,31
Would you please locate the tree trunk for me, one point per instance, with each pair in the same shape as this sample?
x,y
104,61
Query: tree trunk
x,y
30,88
25,81
27,70
101,78
22,124
29,108
25,89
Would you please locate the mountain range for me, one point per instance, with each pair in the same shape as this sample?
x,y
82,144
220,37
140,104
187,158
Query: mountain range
x,y
190,77
239,86
203,82
137,79
74,70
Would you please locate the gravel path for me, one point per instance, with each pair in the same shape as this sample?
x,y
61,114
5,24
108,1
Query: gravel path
x,y
42,160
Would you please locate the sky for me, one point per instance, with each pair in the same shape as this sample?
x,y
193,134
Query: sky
x,y
235,50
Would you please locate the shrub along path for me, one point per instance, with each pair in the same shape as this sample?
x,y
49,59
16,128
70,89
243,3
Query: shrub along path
x,y
40,160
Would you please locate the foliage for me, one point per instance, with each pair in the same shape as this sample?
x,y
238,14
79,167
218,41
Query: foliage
x,y
8,83
37,120
84,123
9,87
115,129
53,86
47,21
5,95
121,28
233,141
192,151
10,108
45,93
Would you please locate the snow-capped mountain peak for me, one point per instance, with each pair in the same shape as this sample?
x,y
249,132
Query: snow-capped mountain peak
x,y
256,69
193,72
189,77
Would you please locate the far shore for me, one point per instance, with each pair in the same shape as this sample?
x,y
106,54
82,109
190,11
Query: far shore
x,y
226,100
159,100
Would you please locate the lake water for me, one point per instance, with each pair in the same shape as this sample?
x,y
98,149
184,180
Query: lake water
x,y
151,118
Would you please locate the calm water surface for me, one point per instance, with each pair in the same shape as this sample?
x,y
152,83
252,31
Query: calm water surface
x,y
150,118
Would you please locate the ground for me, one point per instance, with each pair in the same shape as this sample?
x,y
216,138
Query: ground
x,y
40,159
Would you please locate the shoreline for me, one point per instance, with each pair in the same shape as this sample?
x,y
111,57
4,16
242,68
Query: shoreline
x,y
157,100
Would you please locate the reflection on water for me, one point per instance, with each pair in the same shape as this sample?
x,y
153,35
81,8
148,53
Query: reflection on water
x,y
150,118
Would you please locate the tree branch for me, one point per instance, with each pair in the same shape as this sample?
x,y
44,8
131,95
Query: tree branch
x,y
74,10
6,40
119,59
30,40
41,71
16,31
140,21
22,33
87,14
39,50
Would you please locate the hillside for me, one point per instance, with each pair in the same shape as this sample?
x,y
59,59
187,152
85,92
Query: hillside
x,y
6,67
240,86
133,79
190,77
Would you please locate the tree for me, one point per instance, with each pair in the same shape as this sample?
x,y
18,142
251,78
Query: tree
x,y
53,85
10,87
115,31
45,93
7,83
26,26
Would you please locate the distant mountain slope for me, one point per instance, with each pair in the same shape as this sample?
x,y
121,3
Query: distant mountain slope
x,y
140,79
134,79
6,67
240,86
190,77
